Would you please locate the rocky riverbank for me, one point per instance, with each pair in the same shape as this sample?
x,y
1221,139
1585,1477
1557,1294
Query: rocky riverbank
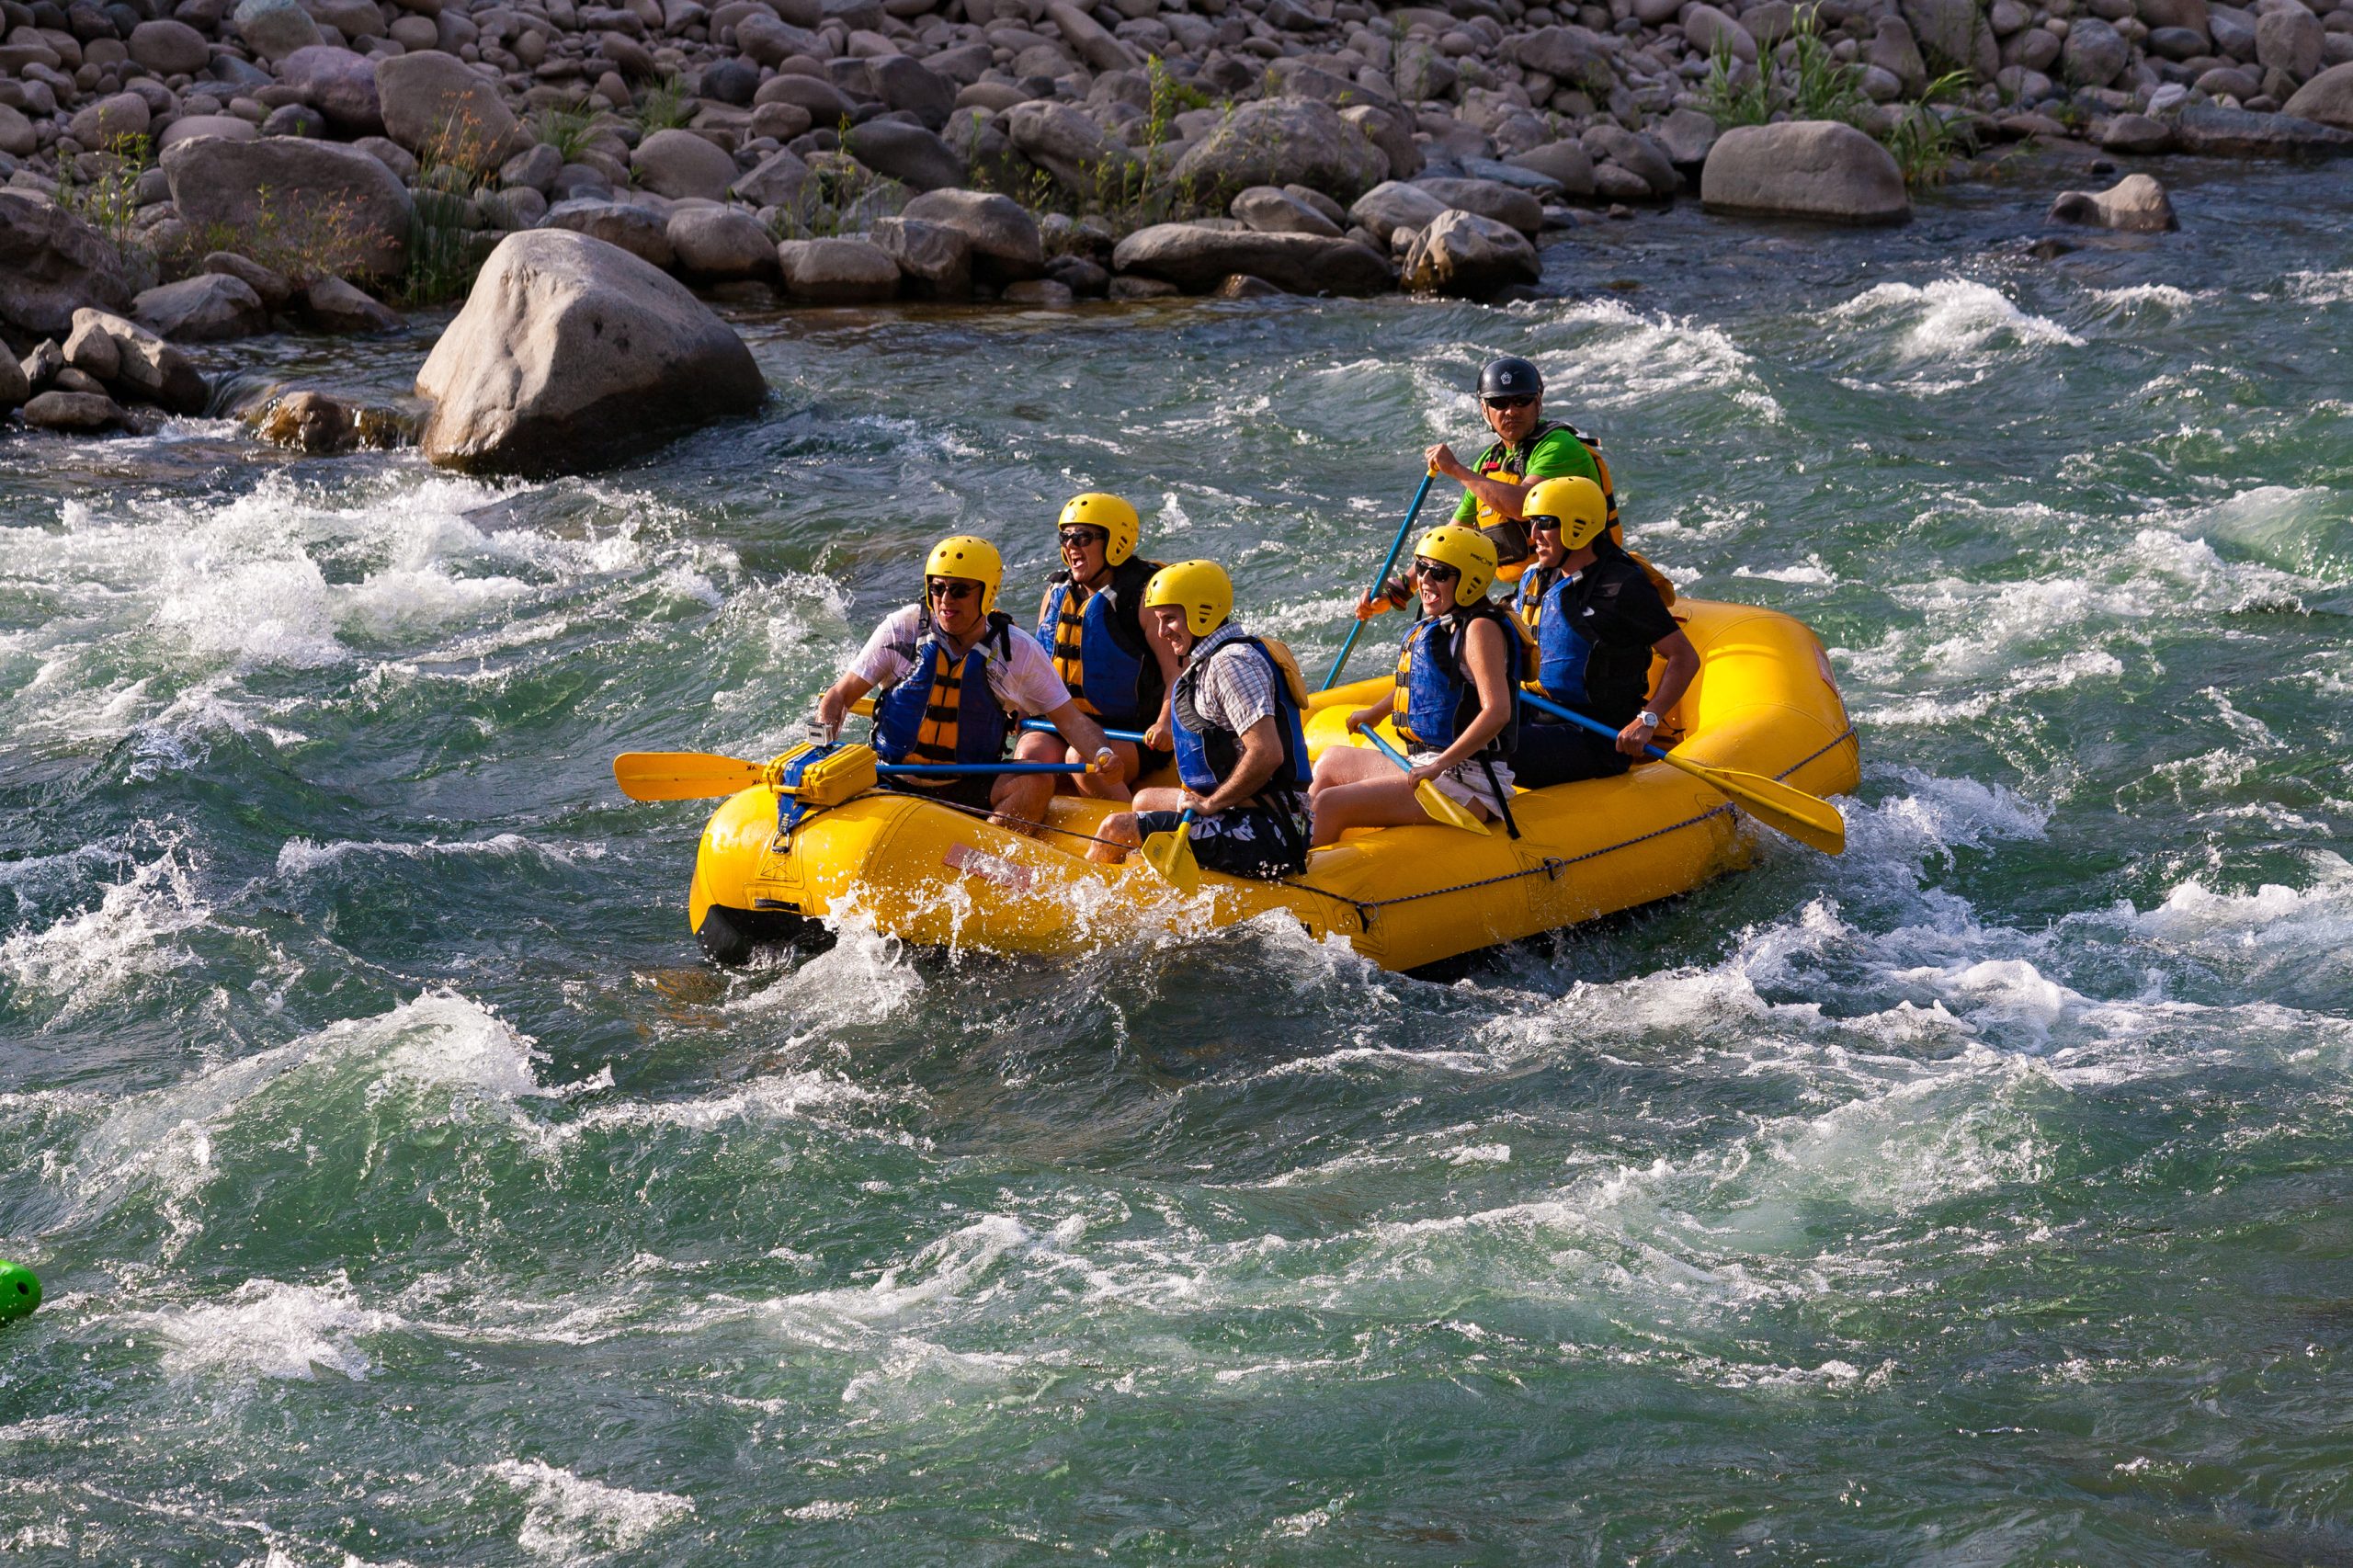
x,y
209,171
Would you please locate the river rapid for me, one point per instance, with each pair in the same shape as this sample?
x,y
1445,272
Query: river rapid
x,y
406,1191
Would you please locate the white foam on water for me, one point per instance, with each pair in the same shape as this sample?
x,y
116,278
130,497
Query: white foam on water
x,y
269,1329
301,857
1637,359
2050,674
1953,319
956,1267
2321,288
87,957
2310,926
1813,573
567,1517
2174,303
788,1097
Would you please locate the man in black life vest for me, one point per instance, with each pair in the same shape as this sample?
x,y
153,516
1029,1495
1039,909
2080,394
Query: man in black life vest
x,y
1090,623
954,676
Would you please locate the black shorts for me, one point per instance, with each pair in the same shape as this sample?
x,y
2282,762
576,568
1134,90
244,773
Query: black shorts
x,y
1264,842
1562,753
970,790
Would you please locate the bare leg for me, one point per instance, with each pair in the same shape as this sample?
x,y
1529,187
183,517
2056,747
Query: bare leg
x,y
1119,826
1018,800
1036,745
1346,764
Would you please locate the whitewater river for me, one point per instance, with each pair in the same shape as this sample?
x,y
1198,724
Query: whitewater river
x,y
407,1191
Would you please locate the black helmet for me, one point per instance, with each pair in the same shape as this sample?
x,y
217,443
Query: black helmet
x,y
1510,377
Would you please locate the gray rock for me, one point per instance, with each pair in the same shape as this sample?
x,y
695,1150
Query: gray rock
x,y
1685,136
934,261
1005,245
1068,146
109,118
2136,134
637,230
838,272
74,413
274,289
1396,205
295,119
824,102
719,244
1709,31
514,206
188,128
436,102
1574,56
354,211
1489,198
170,48
2287,39
210,307
313,422
536,168
90,348
1050,292
913,156
1816,169
146,367
679,164
2177,44
51,262
1954,35
1637,155
2211,130
1566,163
1893,50
909,85
331,304
2232,31
2096,53
1461,253
572,354
1268,209
780,180
1284,141
2190,14
1388,128
2327,99
16,386
2136,204
275,29
1197,259
339,83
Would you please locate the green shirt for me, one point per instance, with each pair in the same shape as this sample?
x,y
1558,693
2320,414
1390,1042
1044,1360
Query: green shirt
x,y
1557,456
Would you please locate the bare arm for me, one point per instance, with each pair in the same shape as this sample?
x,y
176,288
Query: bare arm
x,y
1084,735
1262,752
1682,663
833,705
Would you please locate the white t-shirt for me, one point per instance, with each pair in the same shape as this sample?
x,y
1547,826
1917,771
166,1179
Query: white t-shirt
x,y
1026,683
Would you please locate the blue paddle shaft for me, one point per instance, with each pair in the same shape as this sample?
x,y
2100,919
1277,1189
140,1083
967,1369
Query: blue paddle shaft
x,y
949,769
1392,752
1046,727
1573,717
1380,577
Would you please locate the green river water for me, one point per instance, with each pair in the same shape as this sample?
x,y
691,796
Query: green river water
x,y
406,1191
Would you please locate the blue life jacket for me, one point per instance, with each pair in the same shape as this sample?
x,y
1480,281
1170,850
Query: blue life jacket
x,y
1437,699
1562,651
943,710
1099,651
1207,753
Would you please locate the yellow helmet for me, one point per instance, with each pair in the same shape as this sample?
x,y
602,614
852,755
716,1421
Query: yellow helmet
x,y
1575,505
1114,517
1200,588
1468,551
962,555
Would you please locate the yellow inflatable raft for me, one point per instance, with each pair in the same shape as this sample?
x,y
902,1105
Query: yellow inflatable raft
x,y
1764,703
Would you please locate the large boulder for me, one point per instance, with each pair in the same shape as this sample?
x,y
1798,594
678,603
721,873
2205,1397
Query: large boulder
x,y
51,263
913,156
106,120
906,84
436,103
838,271
144,366
1461,253
1394,204
208,308
1284,141
571,354
934,261
679,164
1819,169
340,84
2327,99
2289,38
1197,260
1006,245
274,28
1068,146
1489,198
349,211
1574,56
2211,130
719,244
2136,203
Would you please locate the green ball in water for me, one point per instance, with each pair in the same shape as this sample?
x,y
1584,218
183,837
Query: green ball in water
x,y
19,1291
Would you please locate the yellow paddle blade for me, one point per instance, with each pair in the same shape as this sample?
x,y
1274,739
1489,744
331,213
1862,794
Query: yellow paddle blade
x,y
683,774
1449,811
1809,819
1171,853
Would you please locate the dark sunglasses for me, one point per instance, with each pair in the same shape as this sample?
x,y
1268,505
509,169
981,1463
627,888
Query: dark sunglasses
x,y
1071,537
950,589
1436,570
1510,403
1544,525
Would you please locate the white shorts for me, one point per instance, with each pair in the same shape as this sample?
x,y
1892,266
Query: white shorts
x,y
1466,782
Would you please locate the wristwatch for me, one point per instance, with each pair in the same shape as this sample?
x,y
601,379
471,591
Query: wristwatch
x,y
1647,719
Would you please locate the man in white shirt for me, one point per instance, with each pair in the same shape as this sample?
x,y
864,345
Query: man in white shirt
x,y
955,678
